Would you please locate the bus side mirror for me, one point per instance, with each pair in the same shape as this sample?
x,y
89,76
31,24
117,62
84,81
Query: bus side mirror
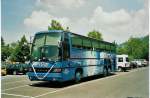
x,y
29,43
60,43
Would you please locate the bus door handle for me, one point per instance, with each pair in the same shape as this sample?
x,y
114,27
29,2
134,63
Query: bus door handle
x,y
69,64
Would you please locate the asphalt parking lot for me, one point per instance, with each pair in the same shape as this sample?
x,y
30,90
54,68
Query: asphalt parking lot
x,y
132,84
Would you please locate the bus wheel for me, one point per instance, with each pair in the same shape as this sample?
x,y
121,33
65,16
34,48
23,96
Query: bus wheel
x,y
14,72
78,76
109,71
105,72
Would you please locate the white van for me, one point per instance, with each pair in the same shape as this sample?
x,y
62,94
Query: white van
x,y
122,62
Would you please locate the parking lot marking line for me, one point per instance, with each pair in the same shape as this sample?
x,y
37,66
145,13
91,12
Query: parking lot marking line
x,y
17,95
11,76
76,85
83,83
15,82
17,87
47,93
14,88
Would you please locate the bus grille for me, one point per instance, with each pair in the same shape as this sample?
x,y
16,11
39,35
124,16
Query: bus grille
x,y
45,70
40,70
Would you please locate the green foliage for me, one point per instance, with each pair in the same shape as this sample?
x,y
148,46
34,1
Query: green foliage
x,y
95,34
13,45
55,25
121,50
5,52
136,48
145,43
21,51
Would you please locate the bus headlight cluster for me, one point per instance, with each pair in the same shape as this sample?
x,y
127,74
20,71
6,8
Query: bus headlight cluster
x,y
57,70
54,70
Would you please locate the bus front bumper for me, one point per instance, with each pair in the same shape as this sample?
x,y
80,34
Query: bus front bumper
x,y
49,77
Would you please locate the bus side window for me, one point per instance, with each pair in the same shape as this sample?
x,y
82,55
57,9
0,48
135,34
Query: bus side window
x,y
87,43
76,41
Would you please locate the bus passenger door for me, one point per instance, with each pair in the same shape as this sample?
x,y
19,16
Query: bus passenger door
x,y
66,48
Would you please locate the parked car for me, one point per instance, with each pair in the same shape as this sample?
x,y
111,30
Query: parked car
x,y
140,62
17,68
123,62
133,64
144,62
3,70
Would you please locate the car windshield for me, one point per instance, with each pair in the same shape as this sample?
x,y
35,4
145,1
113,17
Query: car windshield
x,y
45,45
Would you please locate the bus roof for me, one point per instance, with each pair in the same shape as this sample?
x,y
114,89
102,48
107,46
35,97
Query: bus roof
x,y
49,31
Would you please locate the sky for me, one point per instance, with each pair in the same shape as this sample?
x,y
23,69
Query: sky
x,y
117,20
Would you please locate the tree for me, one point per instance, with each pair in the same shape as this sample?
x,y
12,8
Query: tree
x,y
21,51
13,45
145,45
136,48
5,50
95,34
55,25
121,50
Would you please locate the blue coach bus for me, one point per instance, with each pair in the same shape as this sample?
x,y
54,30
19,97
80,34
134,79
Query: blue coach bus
x,y
58,55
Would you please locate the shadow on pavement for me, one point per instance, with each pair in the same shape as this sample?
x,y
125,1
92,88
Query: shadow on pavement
x,y
48,84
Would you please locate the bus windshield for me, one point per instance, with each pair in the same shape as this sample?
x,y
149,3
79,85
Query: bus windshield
x,y
45,45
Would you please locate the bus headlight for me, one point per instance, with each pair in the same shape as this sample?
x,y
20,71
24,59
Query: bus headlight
x,y
57,70
65,71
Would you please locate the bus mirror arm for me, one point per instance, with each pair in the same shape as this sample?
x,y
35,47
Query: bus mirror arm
x,y
30,44
60,43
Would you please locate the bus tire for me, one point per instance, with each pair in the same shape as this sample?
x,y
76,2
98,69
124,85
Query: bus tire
x,y
78,76
14,72
105,71
109,71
